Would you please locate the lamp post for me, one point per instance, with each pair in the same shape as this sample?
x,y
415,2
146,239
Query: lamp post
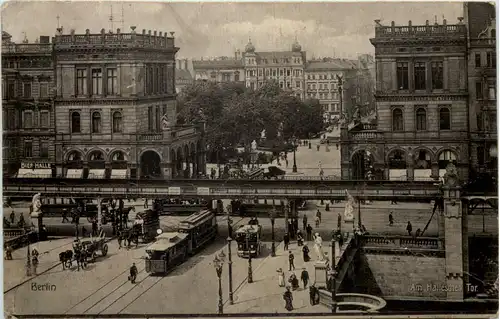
x,y
250,276
218,263
28,260
230,262
272,216
294,141
333,274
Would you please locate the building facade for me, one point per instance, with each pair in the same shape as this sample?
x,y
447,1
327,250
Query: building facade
x,y
482,64
28,110
421,101
183,75
220,70
284,67
115,108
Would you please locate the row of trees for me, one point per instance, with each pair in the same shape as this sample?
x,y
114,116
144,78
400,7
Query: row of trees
x,y
236,115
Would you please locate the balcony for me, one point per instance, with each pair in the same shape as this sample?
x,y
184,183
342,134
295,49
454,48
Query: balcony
x,y
118,40
27,48
420,31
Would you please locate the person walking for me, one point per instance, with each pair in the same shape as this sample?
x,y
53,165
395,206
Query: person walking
x,y
304,276
305,253
12,217
133,273
286,240
391,219
287,296
281,277
8,252
304,221
309,231
409,228
312,295
291,257
339,221
318,214
65,216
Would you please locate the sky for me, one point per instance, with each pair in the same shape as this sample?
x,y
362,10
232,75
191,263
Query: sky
x,y
213,29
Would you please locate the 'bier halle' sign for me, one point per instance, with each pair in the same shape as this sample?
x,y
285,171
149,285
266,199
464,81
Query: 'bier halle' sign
x,y
36,166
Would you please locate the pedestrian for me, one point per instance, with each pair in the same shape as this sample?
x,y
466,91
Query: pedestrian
x,y
312,295
337,145
291,257
409,228
339,221
317,221
21,222
391,219
291,230
287,296
65,216
294,282
8,252
120,239
309,230
133,273
281,277
318,214
304,221
300,238
94,227
304,276
12,217
145,203
305,253
418,232
317,147
286,240
286,162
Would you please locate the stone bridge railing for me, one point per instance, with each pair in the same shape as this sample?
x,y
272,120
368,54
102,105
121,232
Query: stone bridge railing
x,y
401,242
352,301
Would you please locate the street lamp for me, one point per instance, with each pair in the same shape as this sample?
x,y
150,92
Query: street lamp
x,y
218,263
28,260
272,216
295,144
250,276
230,262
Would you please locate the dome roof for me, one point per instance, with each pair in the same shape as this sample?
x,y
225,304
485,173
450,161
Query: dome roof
x,y
249,47
296,47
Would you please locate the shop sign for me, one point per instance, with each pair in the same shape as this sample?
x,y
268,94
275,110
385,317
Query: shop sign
x,y
36,166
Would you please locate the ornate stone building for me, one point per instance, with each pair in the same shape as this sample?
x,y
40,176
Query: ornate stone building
x,y
421,100
27,107
482,65
285,67
220,70
115,107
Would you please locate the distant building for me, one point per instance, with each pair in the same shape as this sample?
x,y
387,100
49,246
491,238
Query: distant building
x,y
481,24
183,75
220,70
28,84
284,67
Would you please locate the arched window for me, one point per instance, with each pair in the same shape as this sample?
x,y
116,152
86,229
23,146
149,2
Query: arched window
x,y
444,119
445,158
421,119
117,122
75,122
96,122
397,160
236,76
397,120
97,156
423,160
118,156
74,156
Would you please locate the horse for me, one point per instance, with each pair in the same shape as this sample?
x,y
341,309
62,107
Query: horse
x,y
132,235
66,259
81,258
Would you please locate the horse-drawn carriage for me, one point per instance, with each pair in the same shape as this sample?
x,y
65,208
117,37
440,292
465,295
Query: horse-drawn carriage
x,y
144,228
92,246
83,252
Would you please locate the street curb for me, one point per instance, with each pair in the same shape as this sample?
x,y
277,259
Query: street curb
x,y
242,284
41,273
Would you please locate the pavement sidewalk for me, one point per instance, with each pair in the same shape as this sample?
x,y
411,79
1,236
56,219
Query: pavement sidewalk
x,y
15,269
265,296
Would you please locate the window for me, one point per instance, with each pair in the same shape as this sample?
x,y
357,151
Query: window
x,y
288,85
11,90
397,119
480,155
479,91
421,119
402,75
117,122
96,81
236,76
27,90
28,119
492,91
44,149
28,149
75,122
287,72
274,72
489,59
444,119
281,72
150,118
44,119
162,86
479,121
44,90
297,84
445,158
260,72
419,71
81,82
437,75
12,120
96,122
155,80
477,58
112,79
157,119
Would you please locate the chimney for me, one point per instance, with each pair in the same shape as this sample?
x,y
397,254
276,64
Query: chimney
x,y
409,23
444,22
177,64
143,31
186,61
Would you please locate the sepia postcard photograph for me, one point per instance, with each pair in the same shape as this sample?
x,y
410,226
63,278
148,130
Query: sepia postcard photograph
x,y
249,159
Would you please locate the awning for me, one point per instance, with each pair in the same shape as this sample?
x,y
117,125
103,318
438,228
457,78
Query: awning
x,y
34,173
119,173
96,173
74,173
422,175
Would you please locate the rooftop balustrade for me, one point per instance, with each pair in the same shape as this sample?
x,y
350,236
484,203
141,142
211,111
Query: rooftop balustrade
x,y
27,48
419,31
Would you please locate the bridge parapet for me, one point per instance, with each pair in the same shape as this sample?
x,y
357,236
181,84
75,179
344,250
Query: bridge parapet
x,y
402,242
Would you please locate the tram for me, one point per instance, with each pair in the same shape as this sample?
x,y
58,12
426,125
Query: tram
x,y
171,249
248,238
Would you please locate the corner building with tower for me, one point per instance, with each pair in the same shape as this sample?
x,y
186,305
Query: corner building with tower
x,y
115,108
